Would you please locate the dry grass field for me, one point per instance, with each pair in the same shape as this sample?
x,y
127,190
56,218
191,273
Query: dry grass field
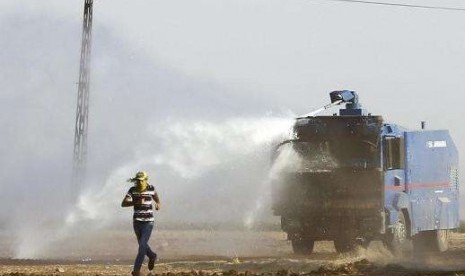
x,y
225,253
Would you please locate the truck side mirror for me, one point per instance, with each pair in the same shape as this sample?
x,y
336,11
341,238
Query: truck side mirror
x,y
394,153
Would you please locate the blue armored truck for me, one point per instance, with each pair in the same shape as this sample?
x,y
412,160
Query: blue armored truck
x,y
352,178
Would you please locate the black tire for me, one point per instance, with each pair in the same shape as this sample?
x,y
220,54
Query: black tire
x,y
346,245
442,241
433,241
303,246
397,240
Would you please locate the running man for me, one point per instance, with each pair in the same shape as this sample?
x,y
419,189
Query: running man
x,y
142,196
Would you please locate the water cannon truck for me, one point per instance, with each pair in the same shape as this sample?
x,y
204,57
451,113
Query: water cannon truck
x,y
351,178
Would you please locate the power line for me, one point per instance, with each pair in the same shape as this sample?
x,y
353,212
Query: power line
x,y
400,5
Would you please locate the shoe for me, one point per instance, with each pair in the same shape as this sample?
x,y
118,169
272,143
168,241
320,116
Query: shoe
x,y
152,262
135,273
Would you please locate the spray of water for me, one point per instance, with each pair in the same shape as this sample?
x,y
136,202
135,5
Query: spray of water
x,y
286,159
185,157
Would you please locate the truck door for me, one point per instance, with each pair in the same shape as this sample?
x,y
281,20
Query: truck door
x,y
394,163
395,187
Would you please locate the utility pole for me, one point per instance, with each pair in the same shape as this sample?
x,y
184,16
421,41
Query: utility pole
x,y
82,110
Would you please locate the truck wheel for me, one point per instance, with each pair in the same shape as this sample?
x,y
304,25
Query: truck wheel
x,y
442,237
303,246
345,245
431,241
397,240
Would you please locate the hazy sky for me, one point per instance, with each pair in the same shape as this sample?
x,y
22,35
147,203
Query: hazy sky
x,y
282,53
172,77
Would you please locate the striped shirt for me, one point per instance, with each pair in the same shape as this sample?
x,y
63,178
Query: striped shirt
x,y
143,203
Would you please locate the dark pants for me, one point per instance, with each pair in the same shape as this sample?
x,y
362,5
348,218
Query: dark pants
x,y
143,231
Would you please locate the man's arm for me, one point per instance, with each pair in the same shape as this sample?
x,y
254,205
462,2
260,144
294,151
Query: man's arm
x,y
157,201
127,201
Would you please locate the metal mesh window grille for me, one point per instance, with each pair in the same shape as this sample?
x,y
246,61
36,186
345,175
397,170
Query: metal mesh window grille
x,y
454,178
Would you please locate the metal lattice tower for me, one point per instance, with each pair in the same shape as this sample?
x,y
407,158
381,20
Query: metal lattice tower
x,y
82,110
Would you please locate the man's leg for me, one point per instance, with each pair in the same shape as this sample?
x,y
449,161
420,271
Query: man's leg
x,y
149,253
143,234
152,255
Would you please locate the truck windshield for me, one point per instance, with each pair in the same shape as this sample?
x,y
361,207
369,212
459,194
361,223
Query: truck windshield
x,y
326,155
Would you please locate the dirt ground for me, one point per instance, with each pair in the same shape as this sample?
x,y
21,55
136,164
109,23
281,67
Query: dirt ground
x,y
226,253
